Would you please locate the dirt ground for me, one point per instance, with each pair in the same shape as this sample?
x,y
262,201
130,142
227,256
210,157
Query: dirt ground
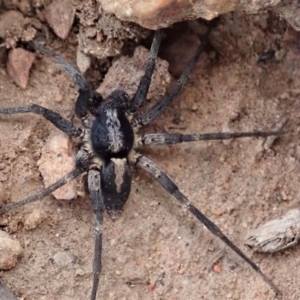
x,y
234,184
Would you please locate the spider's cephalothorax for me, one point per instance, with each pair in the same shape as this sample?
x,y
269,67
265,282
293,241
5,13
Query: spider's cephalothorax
x,y
109,147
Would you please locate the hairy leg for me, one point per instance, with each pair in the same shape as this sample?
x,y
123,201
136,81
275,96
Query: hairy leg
x,y
145,81
77,77
176,138
56,119
87,99
94,184
163,179
165,101
81,165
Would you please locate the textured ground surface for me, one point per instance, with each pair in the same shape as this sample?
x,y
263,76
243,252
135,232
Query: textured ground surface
x,y
154,235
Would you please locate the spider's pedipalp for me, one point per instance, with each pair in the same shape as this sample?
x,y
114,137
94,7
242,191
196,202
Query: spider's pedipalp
x,y
176,138
163,179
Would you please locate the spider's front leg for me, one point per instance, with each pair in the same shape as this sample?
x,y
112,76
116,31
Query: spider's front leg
x,y
145,81
162,178
88,99
166,100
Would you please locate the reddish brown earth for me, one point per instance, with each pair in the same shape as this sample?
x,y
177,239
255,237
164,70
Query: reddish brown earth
x,y
234,184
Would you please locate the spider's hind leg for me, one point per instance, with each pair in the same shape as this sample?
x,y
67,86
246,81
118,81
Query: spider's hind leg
x,y
176,138
162,178
98,208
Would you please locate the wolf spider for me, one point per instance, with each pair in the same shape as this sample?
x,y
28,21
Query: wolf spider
x,y
109,142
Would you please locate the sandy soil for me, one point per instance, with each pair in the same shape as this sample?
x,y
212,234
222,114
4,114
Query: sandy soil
x,y
228,182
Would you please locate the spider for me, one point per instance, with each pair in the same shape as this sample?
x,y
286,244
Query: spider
x,y
110,141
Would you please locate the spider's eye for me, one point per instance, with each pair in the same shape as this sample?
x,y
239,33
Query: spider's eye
x,y
120,98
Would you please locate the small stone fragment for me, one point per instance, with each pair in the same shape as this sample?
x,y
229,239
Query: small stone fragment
x,y
83,61
156,14
18,66
33,219
60,16
277,234
62,258
10,251
57,160
217,268
11,23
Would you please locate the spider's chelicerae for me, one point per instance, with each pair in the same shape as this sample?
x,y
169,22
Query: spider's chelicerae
x,y
109,146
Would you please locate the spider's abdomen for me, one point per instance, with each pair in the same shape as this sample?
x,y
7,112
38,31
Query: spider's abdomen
x,y
111,133
115,184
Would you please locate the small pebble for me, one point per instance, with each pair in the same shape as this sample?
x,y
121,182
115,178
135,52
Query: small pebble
x,y
18,66
10,251
60,16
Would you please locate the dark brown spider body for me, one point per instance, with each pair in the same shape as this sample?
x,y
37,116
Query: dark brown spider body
x,y
110,145
112,139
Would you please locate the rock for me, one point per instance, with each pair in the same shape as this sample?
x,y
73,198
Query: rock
x,y
11,24
57,160
290,12
10,251
62,258
163,13
83,61
14,27
60,16
126,72
102,34
18,66
33,219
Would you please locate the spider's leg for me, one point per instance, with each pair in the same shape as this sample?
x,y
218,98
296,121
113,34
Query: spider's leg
x,y
150,167
165,101
77,77
176,138
94,184
43,193
145,81
56,119
87,99
81,165
6,294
